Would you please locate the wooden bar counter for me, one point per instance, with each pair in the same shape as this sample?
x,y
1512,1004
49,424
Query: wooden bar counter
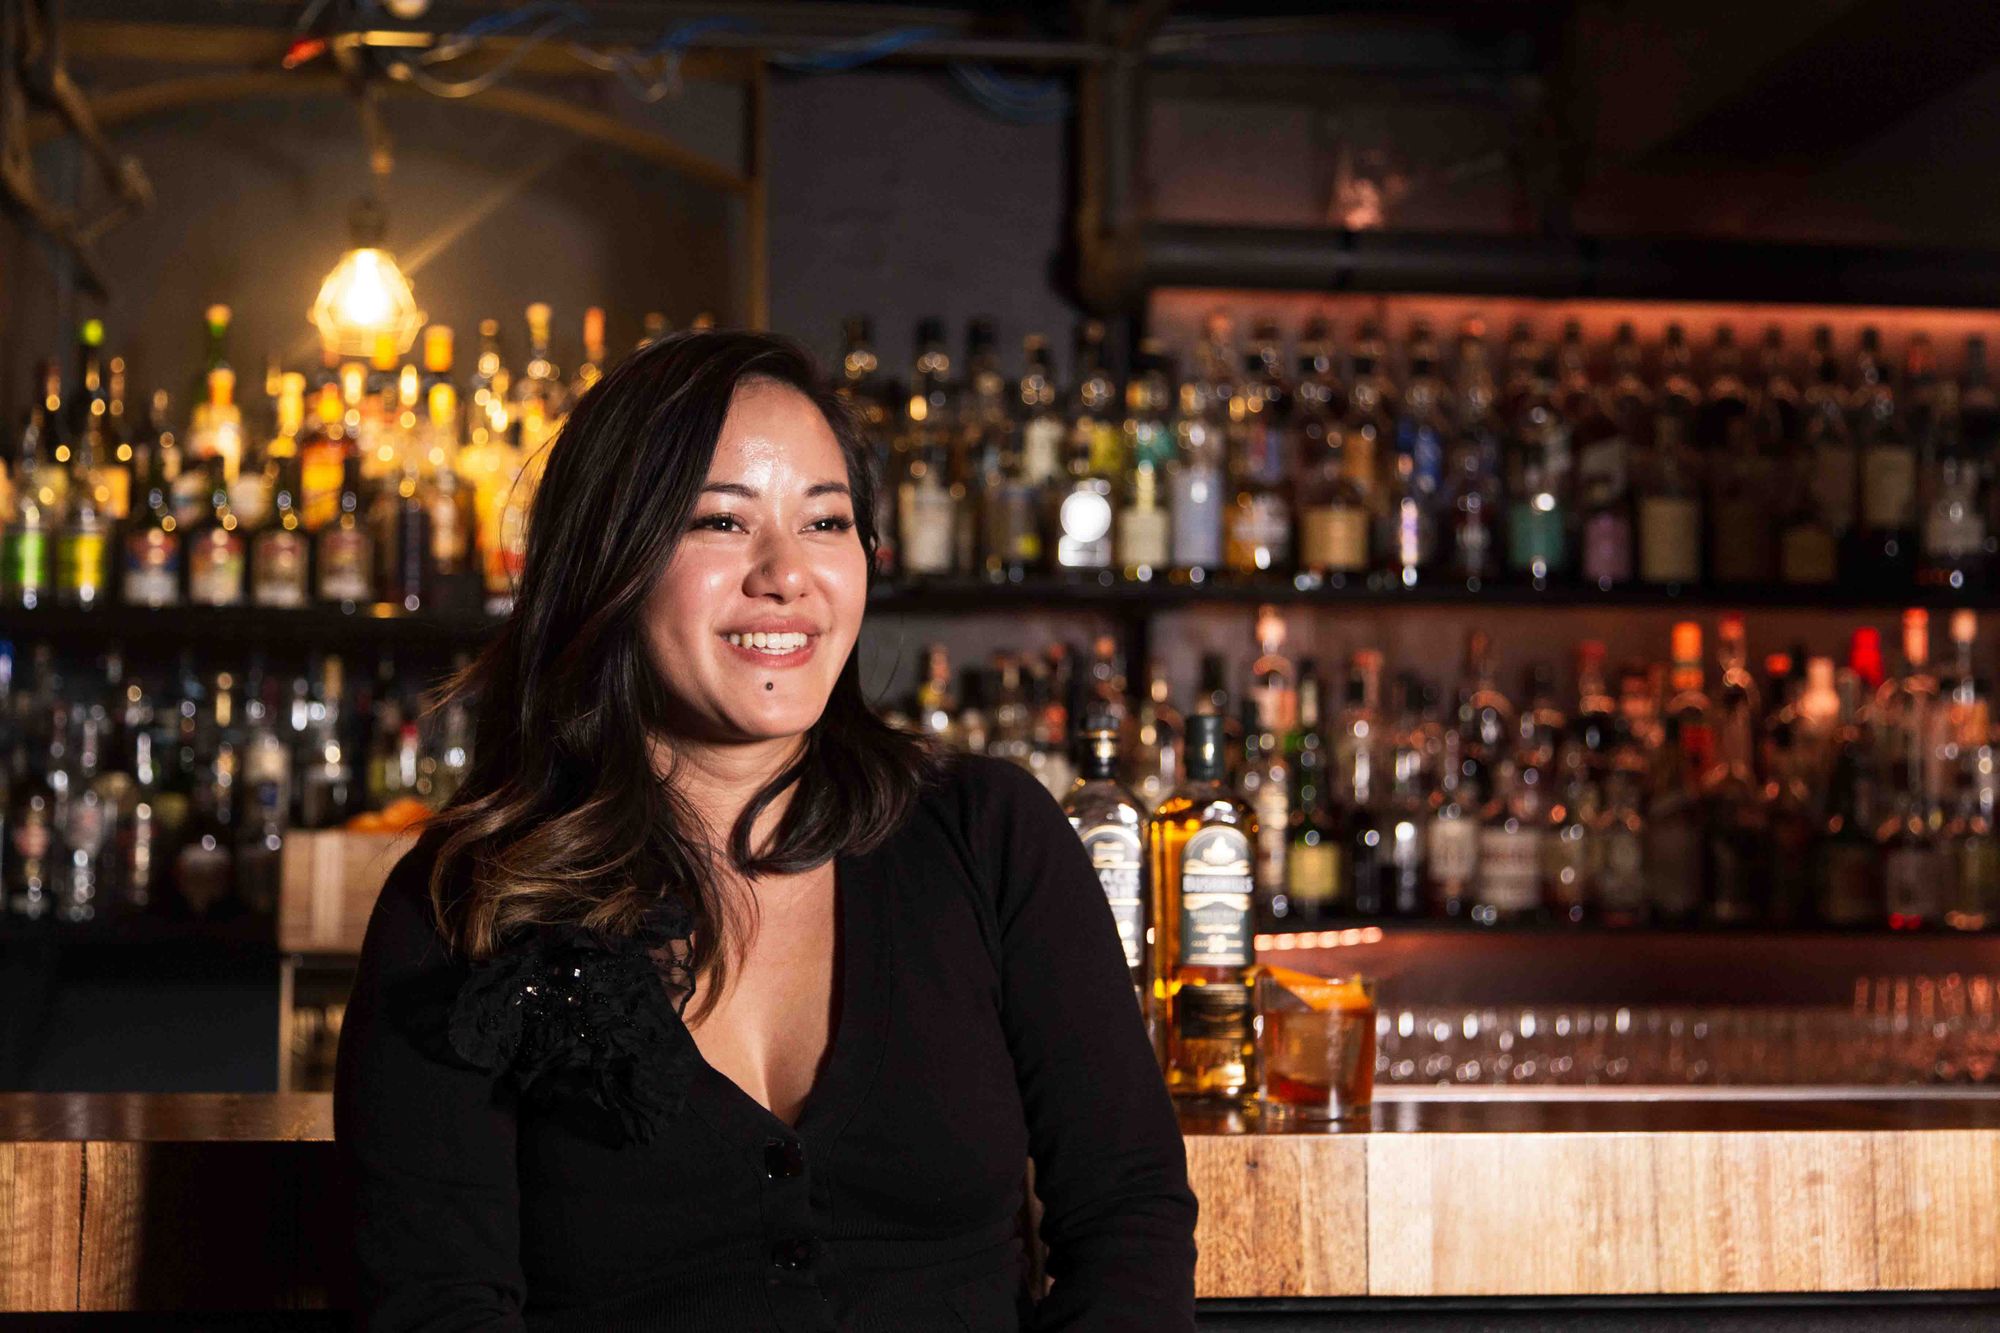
x,y
233,1202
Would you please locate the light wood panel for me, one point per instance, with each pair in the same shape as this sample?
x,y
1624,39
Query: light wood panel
x,y
1280,1215
328,884
41,1207
228,1201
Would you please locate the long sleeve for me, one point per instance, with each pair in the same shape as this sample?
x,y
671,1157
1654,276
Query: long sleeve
x,y
1110,1165
428,1141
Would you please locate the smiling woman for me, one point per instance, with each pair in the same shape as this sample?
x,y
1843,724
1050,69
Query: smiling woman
x,y
712,1000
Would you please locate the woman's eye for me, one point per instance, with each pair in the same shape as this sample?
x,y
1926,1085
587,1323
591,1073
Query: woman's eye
x,y
835,523
714,522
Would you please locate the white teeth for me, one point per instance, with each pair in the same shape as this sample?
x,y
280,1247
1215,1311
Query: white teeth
x,y
775,644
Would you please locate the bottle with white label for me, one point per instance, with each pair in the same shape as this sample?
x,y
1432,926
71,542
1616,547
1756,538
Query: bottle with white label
x,y
1107,817
1204,960
1509,885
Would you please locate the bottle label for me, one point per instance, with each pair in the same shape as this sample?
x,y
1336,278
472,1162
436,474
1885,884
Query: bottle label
x,y
1954,532
1041,449
1216,887
215,567
1739,540
1601,471
1012,535
927,522
1673,863
1806,554
1142,537
343,565
152,568
1888,486
320,477
1913,882
1259,533
1535,538
1219,1011
1510,868
1312,872
86,561
1833,487
1453,847
1607,547
280,569
1849,893
1334,538
1114,853
1195,505
1669,539
28,560
1273,805
1620,871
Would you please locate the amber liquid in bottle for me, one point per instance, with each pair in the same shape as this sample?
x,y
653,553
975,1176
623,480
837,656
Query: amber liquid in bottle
x,y
1204,960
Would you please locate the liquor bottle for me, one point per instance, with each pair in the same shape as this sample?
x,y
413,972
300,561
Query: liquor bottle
x,y
1617,861
1748,440
108,471
1914,868
926,509
1358,789
1670,509
1313,852
1010,543
1257,527
83,544
1736,834
1674,820
1112,825
215,546
1406,816
1368,430
1333,511
280,551
403,539
1091,464
1154,762
1473,502
1041,432
1409,544
1538,505
85,824
1202,941
592,369
256,476
1512,829
1142,541
152,547
1196,482
1964,429
1834,466
1971,846
453,518
1885,536
49,425
540,400
860,388
1606,427
1266,788
343,551
1451,833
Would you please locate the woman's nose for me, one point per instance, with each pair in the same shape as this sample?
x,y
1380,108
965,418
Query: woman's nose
x,y
781,568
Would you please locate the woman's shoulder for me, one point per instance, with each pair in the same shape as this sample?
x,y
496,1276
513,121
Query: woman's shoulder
x,y
980,792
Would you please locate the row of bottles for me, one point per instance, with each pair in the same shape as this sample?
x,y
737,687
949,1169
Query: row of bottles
x,y
1541,463
366,482
122,795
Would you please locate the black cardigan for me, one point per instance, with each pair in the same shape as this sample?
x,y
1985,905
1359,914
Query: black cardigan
x,y
985,1018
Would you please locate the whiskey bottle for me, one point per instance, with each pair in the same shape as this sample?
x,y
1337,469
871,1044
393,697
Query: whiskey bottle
x,y
1195,478
343,553
1202,941
1333,511
926,510
280,551
215,546
1257,528
1108,819
1472,504
152,546
1313,852
1143,548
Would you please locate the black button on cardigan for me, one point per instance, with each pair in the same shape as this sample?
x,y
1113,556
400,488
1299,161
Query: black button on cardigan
x,y
985,1020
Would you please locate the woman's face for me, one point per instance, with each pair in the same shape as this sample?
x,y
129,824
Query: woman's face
x,y
761,601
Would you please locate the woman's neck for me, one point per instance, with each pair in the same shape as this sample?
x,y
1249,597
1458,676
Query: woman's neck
x,y
717,781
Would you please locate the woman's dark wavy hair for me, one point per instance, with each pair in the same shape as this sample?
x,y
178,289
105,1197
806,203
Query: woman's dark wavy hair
x,y
562,817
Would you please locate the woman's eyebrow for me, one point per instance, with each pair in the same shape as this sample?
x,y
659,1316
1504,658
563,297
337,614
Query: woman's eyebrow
x,y
750,492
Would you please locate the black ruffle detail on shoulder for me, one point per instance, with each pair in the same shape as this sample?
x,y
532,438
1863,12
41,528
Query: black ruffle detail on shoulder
x,y
587,1024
